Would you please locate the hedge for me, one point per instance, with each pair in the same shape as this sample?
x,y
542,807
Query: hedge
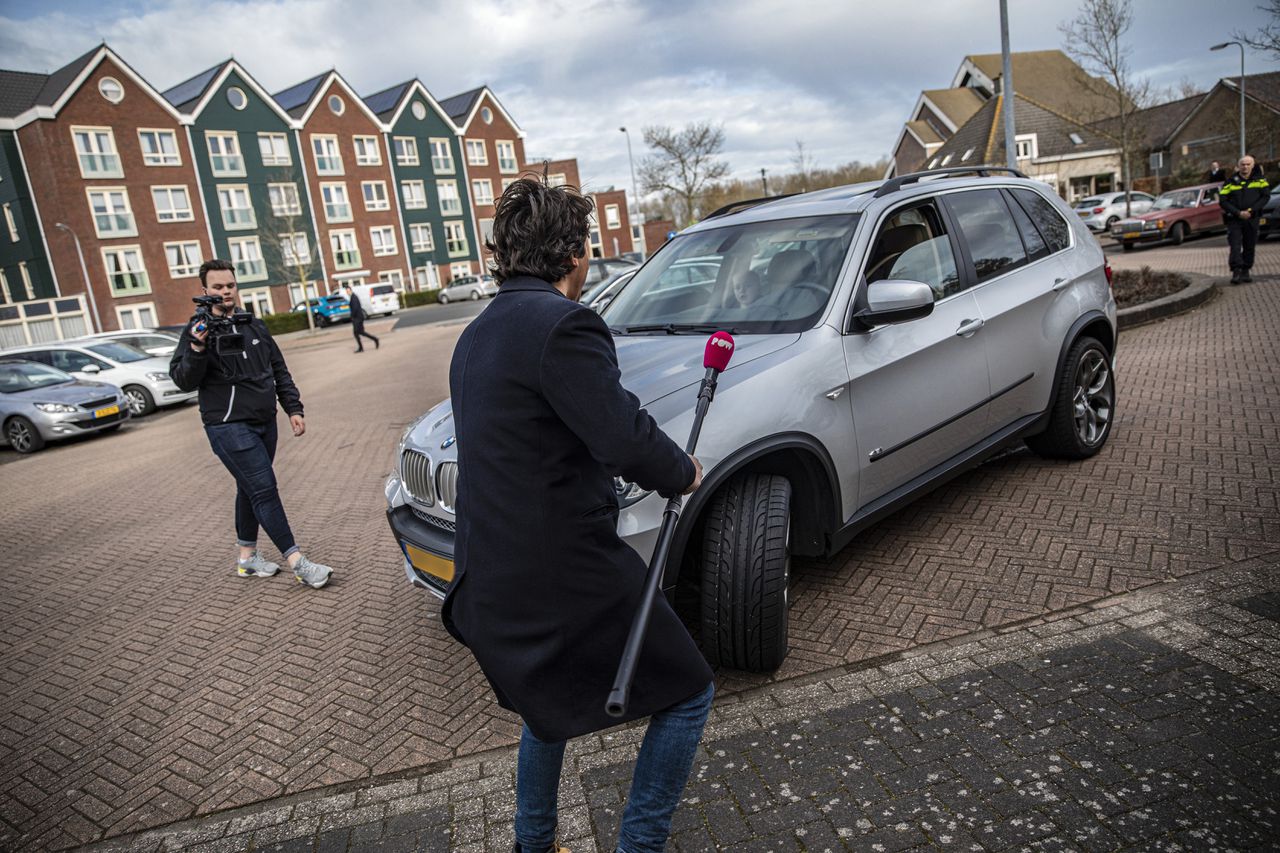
x,y
287,321
419,297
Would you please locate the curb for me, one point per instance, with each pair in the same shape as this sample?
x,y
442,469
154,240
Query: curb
x,y
1201,290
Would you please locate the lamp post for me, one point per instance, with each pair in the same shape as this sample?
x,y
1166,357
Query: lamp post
x,y
84,271
764,182
632,161
1241,46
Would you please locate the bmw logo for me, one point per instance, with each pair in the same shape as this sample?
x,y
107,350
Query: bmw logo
x,y
448,442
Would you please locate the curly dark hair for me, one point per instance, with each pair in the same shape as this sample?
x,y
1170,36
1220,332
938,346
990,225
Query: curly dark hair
x,y
537,229
214,264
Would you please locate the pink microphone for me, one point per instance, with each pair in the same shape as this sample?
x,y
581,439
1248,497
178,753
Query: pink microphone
x,y
719,351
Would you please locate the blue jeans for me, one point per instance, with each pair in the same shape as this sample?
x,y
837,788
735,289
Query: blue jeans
x,y
248,450
662,769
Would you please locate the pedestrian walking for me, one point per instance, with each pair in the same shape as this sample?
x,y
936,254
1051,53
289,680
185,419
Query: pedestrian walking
x,y
357,319
545,590
231,358
1242,199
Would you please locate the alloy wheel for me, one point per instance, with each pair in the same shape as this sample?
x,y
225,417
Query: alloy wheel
x,y
135,401
19,436
1094,398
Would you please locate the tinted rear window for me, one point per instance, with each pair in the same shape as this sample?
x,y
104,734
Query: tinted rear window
x,y
1056,231
382,290
989,232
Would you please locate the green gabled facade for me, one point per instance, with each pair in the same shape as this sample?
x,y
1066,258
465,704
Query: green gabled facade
x,y
18,218
226,100
411,112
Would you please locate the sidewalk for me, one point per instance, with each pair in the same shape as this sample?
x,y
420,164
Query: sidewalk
x,y
1148,720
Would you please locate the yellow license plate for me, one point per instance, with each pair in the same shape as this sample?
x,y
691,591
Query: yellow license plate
x,y
109,410
432,564
1132,235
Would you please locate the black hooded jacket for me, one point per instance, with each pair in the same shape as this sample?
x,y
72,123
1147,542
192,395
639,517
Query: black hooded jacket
x,y
237,387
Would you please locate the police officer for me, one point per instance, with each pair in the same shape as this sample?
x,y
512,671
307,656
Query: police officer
x,y
1243,197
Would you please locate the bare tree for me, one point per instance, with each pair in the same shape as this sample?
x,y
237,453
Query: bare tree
x,y
1268,37
1094,38
288,242
802,160
683,163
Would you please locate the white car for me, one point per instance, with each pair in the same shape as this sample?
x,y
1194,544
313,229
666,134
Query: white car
x,y
473,287
150,341
143,378
1100,212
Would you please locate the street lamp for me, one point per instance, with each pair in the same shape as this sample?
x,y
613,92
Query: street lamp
x,y
84,271
1241,46
634,195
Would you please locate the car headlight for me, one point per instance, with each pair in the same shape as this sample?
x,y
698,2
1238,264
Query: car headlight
x,y
57,408
1158,225
158,377
628,493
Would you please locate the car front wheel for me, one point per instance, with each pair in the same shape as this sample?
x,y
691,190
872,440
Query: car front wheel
x,y
1083,405
1178,234
442,299
139,400
746,569
22,435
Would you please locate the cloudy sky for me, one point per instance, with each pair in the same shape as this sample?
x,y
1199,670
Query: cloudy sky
x,y
840,76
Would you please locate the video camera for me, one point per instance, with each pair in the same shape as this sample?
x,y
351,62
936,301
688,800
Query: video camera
x,y
223,337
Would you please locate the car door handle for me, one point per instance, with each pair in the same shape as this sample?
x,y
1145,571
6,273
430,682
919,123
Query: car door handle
x,y
968,327
1059,284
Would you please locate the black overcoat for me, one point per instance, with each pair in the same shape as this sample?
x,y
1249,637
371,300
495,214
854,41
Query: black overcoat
x,y
544,589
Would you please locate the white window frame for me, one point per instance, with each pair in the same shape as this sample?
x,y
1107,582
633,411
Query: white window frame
x,y
441,164
450,200
133,315
372,155
258,297
229,221
188,265
9,221
459,246
409,155
483,152
232,165
416,231
503,161
140,272
1031,146
332,211
4,287
383,202
161,157
180,215
557,179
383,240
459,269
612,216
506,182
244,244
395,278
26,280
325,160
282,203
481,191
420,193
295,249
129,229
335,238
105,160
275,157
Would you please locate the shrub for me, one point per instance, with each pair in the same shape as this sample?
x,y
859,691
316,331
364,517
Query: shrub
x,y
288,321
1134,287
419,297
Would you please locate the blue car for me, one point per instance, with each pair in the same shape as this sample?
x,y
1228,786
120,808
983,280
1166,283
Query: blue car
x,y
327,310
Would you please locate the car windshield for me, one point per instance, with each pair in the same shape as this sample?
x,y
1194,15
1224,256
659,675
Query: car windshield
x,y
118,352
760,277
15,377
1181,198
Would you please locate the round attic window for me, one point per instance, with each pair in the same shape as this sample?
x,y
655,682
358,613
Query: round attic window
x,y
111,89
236,97
419,110
486,115
336,105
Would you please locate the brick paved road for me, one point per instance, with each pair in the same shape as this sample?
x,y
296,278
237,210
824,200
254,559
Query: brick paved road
x,y
143,684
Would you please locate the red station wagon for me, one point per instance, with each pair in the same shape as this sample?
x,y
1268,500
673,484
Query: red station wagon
x,y
1175,216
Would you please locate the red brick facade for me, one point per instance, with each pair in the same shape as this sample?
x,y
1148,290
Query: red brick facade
x,y
615,239
655,234
49,150
485,135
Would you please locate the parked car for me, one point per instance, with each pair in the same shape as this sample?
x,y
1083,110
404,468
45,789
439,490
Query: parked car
x,y
599,269
327,310
39,403
605,293
591,291
143,379
151,341
378,298
899,333
468,287
1175,216
1100,212
1269,222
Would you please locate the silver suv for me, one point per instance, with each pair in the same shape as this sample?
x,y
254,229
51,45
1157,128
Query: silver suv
x,y
890,335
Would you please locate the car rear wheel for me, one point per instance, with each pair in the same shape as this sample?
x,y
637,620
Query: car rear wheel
x,y
746,569
22,435
442,299
1178,233
1083,405
1112,220
139,400
475,296
1127,245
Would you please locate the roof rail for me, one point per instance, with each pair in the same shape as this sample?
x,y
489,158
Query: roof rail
x,y
734,207
894,184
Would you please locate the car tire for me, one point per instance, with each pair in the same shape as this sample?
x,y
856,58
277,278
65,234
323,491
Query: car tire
x,y
1127,246
1083,405
746,569
1178,233
1111,220
22,435
139,400
442,299
475,296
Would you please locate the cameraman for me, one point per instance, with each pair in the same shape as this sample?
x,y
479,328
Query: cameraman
x,y
239,382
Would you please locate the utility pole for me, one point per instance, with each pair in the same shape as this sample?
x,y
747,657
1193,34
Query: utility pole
x,y
1006,89
84,271
764,182
1239,45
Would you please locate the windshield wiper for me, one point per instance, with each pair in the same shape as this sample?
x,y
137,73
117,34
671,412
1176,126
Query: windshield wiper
x,y
678,328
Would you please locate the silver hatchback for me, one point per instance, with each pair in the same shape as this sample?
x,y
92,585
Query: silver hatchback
x,y
890,335
1100,212
39,404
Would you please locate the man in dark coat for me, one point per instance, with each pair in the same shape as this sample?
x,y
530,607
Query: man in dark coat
x,y
545,590
1242,199
357,319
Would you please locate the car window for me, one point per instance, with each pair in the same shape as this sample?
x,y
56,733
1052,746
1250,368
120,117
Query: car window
x,y
1176,199
1053,228
913,245
1089,202
43,356
73,360
17,376
1142,197
1210,196
382,290
988,230
121,353
1032,240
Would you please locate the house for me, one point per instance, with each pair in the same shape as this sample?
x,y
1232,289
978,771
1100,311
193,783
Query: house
x,y
1211,128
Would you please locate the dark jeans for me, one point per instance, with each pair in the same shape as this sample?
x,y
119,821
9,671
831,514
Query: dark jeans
x,y
1242,236
248,450
662,768
357,329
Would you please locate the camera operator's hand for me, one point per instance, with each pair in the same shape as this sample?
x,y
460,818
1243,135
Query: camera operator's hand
x,y
697,476
298,424
199,332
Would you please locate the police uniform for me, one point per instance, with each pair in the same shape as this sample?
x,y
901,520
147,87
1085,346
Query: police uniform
x,y
1238,194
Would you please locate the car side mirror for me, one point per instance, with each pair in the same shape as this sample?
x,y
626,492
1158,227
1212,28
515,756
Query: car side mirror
x,y
91,369
895,301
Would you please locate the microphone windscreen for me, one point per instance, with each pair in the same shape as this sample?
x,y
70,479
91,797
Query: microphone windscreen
x,y
719,351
